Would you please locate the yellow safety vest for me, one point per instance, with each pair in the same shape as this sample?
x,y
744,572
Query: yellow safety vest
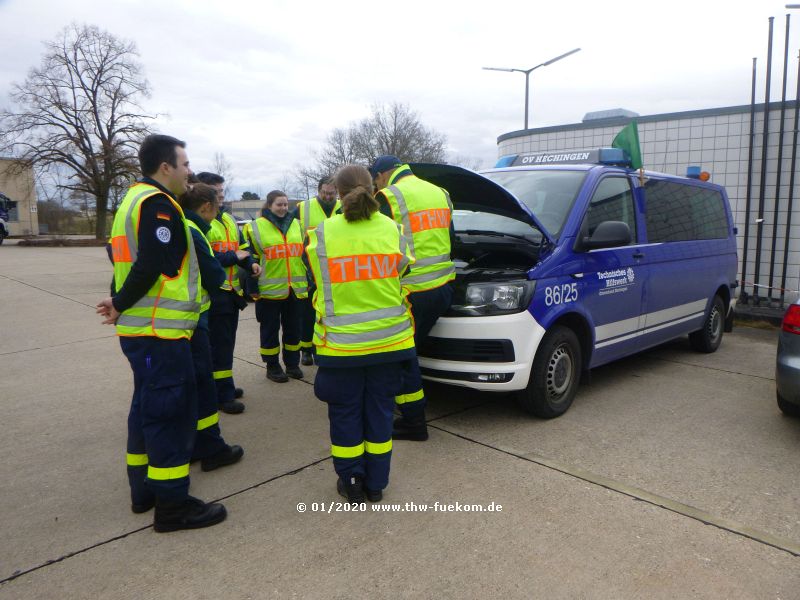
x,y
425,211
224,237
205,301
171,308
280,257
360,303
311,214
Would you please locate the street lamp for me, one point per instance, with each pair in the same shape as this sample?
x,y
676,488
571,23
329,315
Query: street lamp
x,y
528,73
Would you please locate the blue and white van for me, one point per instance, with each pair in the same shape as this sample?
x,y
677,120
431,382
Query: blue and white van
x,y
570,260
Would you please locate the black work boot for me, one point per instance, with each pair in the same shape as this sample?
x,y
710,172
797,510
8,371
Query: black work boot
x,y
238,393
373,495
223,458
294,372
276,374
306,359
191,513
143,504
234,407
352,489
410,429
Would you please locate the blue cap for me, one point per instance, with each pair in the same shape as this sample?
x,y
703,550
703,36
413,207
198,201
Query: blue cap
x,y
384,163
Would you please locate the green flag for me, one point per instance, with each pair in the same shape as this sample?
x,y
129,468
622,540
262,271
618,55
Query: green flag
x,y
628,140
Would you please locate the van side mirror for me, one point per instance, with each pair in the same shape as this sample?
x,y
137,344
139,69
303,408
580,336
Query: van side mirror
x,y
608,234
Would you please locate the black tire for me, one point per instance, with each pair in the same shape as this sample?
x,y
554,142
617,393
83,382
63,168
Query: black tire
x,y
787,408
555,375
709,337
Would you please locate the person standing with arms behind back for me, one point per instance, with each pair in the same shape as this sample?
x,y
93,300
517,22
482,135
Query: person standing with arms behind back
x,y
363,334
425,211
311,213
277,241
156,308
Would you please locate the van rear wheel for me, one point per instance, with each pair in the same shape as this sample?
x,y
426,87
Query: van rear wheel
x,y
555,375
709,337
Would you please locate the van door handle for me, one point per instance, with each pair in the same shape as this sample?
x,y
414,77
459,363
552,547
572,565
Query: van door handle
x,y
638,255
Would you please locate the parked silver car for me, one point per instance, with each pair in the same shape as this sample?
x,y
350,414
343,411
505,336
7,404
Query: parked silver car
x,y
787,366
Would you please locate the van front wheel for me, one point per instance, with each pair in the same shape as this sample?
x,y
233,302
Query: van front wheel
x,y
709,337
555,375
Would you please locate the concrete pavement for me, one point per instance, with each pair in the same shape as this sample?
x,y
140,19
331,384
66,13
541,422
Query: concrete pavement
x,y
626,496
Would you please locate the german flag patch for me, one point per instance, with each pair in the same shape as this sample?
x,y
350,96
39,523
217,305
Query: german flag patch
x,y
164,216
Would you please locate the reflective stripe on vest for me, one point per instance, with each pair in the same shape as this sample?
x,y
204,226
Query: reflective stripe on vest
x,y
224,237
359,301
170,308
312,214
205,299
425,212
281,262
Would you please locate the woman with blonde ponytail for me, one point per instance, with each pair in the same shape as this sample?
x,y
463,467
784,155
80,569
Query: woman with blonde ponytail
x,y
363,333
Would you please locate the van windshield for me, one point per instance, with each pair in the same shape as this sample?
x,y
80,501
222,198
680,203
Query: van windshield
x,y
548,194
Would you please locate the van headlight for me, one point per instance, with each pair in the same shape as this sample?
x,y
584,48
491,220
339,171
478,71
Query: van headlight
x,y
495,298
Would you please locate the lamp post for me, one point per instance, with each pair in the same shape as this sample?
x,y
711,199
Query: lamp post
x,y
528,73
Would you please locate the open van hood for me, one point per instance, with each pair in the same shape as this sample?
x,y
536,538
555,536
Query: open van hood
x,y
471,191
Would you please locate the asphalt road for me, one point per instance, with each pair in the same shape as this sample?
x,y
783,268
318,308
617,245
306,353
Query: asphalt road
x,y
674,475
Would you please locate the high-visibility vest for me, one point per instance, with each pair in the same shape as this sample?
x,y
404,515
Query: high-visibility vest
x,y
360,303
224,237
281,260
425,211
312,214
171,308
205,297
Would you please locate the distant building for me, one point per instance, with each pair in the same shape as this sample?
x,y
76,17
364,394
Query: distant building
x,y
16,182
718,140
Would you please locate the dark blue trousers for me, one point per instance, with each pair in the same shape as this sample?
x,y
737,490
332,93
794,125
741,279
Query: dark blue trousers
x,y
223,323
280,316
360,405
426,308
307,317
209,438
163,418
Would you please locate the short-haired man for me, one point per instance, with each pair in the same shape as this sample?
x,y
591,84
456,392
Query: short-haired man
x,y
155,308
230,250
311,213
425,212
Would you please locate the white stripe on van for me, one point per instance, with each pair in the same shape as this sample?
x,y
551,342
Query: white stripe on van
x,y
653,322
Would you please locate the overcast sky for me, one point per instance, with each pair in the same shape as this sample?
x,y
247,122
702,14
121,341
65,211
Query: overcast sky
x,y
265,82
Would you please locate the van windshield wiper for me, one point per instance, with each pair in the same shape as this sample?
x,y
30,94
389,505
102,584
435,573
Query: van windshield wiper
x,y
497,234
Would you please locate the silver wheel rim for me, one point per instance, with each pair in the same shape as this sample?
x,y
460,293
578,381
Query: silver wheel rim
x,y
714,325
559,372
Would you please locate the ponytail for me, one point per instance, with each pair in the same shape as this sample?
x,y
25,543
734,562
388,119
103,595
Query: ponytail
x,y
354,185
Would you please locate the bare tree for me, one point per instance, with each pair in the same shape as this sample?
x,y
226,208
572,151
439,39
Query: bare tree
x,y
79,110
390,129
224,169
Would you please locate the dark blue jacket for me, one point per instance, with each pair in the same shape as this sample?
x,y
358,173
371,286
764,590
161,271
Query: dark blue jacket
x,y
212,275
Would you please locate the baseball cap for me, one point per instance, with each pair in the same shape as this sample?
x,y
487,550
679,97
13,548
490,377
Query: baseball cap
x,y
384,163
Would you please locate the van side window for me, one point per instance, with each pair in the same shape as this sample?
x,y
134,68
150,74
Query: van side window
x,y
611,201
676,212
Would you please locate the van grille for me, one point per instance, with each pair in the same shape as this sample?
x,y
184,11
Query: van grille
x,y
467,350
